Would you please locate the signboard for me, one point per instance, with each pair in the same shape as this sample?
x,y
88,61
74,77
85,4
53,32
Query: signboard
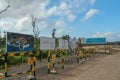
x,y
19,42
47,43
95,40
63,44
72,43
83,40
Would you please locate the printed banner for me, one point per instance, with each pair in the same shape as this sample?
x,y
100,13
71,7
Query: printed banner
x,y
19,42
95,40
72,44
63,44
47,43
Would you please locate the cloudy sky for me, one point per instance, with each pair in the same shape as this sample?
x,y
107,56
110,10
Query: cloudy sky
x,y
78,18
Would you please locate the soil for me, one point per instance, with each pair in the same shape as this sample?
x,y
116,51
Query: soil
x,y
99,67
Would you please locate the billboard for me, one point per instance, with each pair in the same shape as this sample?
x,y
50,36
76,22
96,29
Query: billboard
x,y
95,40
19,42
47,43
72,43
63,44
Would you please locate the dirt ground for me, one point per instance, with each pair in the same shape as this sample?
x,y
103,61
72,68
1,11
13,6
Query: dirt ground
x,y
102,68
99,67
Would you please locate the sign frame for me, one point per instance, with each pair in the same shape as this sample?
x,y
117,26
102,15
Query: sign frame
x,y
49,43
17,42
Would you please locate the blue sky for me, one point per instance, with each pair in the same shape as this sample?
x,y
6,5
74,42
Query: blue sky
x,y
78,18
106,20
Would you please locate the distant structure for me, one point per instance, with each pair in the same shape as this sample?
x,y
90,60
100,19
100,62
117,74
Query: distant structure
x,y
83,40
96,41
93,40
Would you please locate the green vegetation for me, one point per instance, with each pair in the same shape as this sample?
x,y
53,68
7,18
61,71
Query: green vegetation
x,y
16,60
65,37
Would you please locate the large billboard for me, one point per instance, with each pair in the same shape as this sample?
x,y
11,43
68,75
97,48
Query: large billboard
x,y
63,44
95,40
19,42
47,43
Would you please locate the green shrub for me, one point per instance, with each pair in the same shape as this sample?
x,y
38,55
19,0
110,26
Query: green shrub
x,y
16,60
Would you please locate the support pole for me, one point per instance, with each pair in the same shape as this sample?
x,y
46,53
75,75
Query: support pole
x,y
53,63
32,60
77,55
6,64
49,53
63,59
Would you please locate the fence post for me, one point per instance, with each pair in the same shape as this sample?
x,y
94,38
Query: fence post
x,y
53,63
32,74
6,64
63,58
49,53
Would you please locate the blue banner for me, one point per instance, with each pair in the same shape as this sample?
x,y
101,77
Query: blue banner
x,y
95,40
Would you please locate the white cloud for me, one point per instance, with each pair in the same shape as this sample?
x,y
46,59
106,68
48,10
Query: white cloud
x,y
19,20
92,1
60,24
52,10
3,4
90,13
98,34
21,8
71,17
22,25
110,36
63,6
7,24
59,32
19,13
16,25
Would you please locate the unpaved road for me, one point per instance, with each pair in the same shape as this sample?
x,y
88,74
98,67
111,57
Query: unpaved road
x,y
101,68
